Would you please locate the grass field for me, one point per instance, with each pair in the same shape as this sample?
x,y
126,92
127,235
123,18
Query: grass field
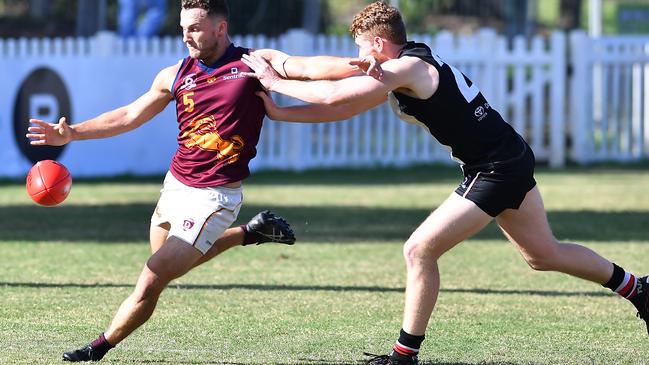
x,y
335,294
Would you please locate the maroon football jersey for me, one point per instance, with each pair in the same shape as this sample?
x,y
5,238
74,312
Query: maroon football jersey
x,y
219,118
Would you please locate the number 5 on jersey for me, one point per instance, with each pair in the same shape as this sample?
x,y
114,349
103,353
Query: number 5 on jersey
x,y
189,102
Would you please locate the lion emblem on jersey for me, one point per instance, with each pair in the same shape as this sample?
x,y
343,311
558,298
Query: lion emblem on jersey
x,y
201,132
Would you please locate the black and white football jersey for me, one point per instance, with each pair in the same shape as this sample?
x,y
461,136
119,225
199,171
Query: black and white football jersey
x,y
457,114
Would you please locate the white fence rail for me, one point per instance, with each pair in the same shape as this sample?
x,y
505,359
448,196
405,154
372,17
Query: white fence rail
x,y
603,117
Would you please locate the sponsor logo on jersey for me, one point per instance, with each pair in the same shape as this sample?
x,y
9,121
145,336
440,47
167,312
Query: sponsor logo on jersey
x,y
481,111
234,74
188,82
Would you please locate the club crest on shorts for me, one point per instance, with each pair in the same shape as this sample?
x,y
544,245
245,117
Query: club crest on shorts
x,y
188,224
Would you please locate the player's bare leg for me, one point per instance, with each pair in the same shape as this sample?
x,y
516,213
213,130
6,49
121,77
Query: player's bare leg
x,y
172,260
529,230
158,236
451,223
264,227
232,237
454,221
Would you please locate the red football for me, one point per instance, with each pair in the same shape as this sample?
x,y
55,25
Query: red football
x,y
48,183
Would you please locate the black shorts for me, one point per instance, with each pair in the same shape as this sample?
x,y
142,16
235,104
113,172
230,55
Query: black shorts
x,y
501,185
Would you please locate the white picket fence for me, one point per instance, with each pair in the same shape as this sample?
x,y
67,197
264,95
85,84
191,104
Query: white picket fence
x,y
518,81
598,112
610,98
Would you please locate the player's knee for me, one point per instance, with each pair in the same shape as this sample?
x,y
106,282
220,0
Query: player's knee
x,y
542,262
151,283
536,264
148,293
147,290
416,252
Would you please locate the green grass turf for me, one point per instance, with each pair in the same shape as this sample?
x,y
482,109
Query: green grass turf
x,y
335,294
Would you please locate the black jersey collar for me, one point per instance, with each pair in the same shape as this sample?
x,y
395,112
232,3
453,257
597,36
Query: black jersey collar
x,y
413,45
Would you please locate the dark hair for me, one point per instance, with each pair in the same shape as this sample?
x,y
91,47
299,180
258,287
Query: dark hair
x,y
213,7
380,19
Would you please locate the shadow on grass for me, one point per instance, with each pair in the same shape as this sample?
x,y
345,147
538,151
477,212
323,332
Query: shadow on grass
x,y
370,176
130,223
319,362
300,362
446,173
316,362
332,288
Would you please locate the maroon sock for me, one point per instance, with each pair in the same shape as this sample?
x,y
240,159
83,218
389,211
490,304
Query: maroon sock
x,y
101,346
249,237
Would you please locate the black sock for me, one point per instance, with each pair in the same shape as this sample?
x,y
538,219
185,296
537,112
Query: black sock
x,y
407,345
100,346
623,283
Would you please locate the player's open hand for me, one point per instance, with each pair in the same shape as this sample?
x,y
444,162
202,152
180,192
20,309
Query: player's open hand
x,y
262,70
42,133
369,65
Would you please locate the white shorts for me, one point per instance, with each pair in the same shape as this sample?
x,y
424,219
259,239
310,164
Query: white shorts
x,y
198,216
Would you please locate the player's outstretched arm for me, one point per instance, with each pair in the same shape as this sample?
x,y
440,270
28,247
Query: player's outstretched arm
x,y
111,123
316,113
406,73
319,67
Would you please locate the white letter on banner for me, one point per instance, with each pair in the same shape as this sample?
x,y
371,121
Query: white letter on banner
x,y
44,107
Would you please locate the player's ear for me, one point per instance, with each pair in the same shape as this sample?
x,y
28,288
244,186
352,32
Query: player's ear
x,y
223,27
377,42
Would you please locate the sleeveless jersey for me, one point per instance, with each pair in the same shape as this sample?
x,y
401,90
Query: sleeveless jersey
x,y
458,115
219,118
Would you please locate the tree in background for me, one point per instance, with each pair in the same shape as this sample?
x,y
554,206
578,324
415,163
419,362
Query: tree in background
x,y
570,14
56,18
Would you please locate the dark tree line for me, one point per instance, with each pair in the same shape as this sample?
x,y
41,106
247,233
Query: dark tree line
x,y
269,17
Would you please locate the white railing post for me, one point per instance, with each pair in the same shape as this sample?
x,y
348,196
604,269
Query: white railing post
x,y
557,156
518,120
104,44
581,98
487,46
298,43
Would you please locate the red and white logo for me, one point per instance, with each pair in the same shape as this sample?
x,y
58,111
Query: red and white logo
x,y
188,224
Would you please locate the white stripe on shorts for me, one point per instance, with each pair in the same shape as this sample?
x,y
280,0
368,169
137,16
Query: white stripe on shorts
x,y
471,186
